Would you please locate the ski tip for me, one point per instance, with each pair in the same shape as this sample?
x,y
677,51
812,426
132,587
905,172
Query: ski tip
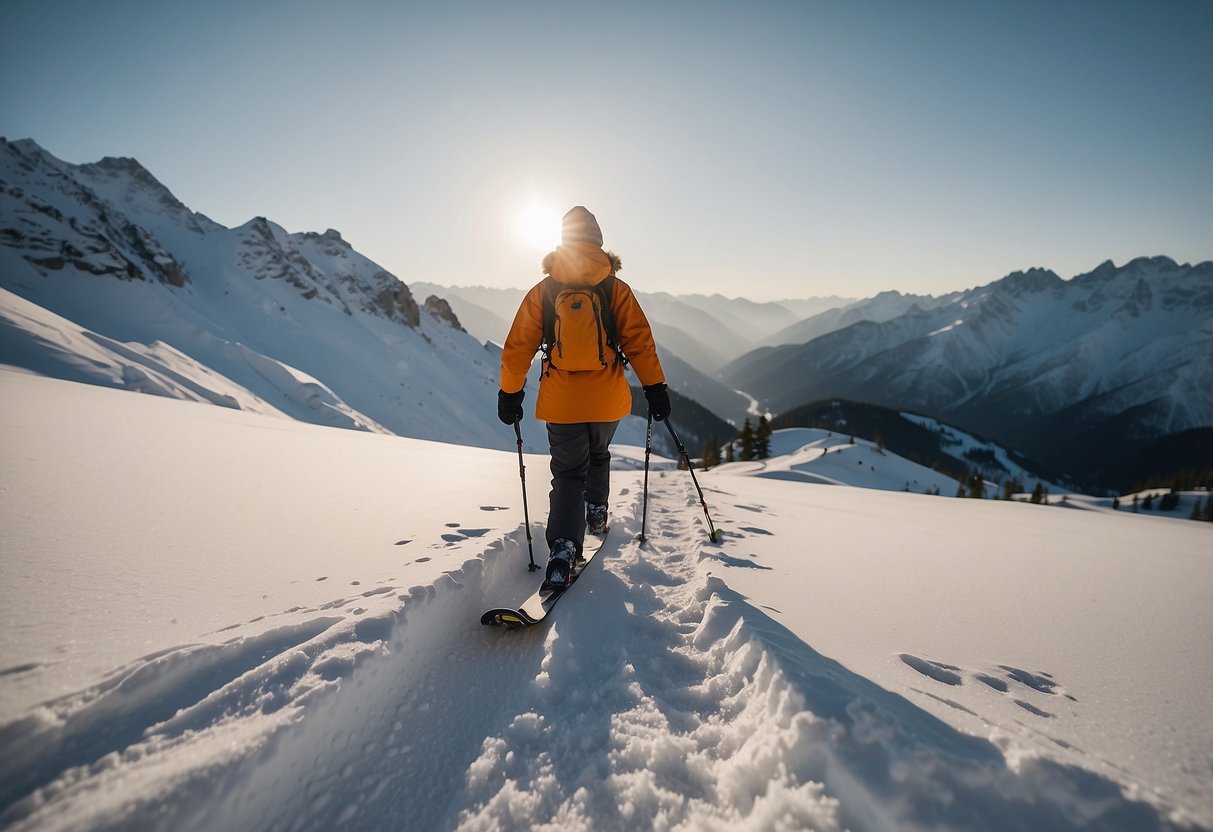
x,y
507,618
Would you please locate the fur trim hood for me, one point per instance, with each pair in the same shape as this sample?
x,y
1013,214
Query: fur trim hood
x,y
582,263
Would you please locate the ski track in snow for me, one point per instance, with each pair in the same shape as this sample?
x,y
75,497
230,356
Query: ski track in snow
x,y
701,712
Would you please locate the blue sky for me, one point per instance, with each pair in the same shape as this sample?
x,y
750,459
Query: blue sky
x,y
759,149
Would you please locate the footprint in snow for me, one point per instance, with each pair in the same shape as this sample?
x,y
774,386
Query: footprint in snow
x,y
1042,682
999,685
938,671
744,563
950,675
1032,709
20,668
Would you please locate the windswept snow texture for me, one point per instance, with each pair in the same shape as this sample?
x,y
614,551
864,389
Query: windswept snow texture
x,y
215,619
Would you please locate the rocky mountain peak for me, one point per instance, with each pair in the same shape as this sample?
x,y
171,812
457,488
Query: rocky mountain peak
x,y
125,166
1030,282
440,309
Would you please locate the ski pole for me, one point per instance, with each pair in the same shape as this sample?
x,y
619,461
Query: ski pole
x,y
526,513
648,450
712,534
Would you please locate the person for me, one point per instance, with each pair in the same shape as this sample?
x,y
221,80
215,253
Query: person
x,y
582,408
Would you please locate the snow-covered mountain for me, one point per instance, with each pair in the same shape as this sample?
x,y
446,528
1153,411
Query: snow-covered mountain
x,y
1055,368
882,307
110,279
279,628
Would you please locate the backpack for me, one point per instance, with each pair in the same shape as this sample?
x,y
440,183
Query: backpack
x,y
579,327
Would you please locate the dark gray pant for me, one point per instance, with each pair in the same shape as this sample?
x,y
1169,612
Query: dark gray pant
x,y
581,473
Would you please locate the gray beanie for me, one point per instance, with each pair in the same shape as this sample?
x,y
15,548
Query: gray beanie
x,y
579,226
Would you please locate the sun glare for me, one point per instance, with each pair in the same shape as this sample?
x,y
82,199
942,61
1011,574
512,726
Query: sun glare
x,y
537,225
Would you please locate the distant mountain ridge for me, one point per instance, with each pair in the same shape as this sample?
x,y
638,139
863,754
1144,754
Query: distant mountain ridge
x,y
1056,369
700,318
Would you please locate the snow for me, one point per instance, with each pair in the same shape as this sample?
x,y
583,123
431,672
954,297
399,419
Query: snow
x,y
220,619
818,456
959,444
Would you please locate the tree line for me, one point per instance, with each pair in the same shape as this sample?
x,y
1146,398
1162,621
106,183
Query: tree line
x,y
749,443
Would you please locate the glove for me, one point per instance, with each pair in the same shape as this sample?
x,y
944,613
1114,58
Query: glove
x,y
509,406
659,401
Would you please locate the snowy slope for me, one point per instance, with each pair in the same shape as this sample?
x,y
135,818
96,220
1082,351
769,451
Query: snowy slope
x,y
300,323
220,620
825,458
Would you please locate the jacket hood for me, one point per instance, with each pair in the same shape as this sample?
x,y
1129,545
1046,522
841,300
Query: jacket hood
x,y
581,264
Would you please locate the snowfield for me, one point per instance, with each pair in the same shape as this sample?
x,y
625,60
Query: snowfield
x,y
215,619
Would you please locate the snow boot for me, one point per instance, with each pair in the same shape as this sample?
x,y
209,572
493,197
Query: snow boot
x,y
596,518
560,562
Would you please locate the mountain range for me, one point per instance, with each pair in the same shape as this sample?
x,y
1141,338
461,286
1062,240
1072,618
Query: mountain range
x,y
107,278
1061,370
696,335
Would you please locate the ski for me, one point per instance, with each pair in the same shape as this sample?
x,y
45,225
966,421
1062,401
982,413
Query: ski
x,y
535,609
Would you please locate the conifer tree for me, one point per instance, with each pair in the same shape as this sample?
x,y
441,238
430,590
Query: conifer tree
x,y
762,438
711,453
730,455
977,485
960,489
1038,495
746,440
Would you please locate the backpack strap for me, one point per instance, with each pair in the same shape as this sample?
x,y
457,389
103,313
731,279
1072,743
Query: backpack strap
x,y
606,291
547,296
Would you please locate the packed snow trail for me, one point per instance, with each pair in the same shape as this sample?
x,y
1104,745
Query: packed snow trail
x,y
656,697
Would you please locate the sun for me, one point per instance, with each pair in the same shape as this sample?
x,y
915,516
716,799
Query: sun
x,y
537,225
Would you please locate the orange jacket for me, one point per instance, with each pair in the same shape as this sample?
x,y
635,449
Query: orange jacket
x,y
567,397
